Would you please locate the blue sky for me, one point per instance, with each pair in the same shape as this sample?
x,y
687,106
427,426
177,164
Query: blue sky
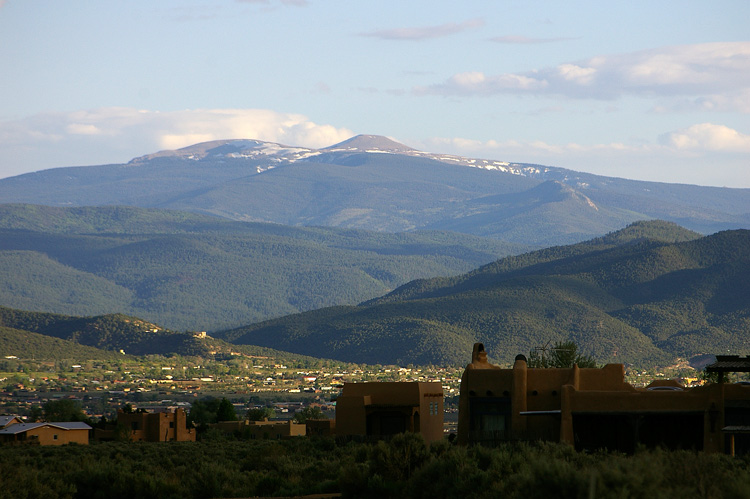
x,y
653,90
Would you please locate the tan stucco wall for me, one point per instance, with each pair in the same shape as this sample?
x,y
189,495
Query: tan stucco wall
x,y
155,427
588,391
422,398
46,436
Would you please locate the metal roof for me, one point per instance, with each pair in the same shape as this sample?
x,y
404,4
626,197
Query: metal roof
x,y
4,420
15,429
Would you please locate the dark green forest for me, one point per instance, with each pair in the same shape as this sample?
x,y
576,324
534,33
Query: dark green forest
x,y
401,467
53,337
38,346
644,295
107,332
188,271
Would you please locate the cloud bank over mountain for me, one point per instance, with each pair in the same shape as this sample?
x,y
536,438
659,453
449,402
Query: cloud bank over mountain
x,y
112,135
117,134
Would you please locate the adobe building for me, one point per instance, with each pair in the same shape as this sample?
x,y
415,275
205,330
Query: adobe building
x,y
594,408
383,409
46,433
263,430
150,427
321,427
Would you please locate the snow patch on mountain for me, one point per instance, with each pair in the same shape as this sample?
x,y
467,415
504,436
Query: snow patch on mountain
x,y
273,154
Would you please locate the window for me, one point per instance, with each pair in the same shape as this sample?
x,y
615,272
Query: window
x,y
387,422
54,437
489,418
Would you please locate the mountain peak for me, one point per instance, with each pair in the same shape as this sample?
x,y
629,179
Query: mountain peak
x,y
232,148
365,143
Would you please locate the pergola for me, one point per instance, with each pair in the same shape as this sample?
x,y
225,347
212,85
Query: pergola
x,y
729,364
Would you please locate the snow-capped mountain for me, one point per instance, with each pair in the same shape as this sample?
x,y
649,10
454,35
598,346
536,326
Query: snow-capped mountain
x,y
372,182
275,153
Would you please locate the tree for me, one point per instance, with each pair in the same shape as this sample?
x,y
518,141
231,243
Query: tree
x,y
36,414
225,412
203,411
308,412
562,354
64,410
260,414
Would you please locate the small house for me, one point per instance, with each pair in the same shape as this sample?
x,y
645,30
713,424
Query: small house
x,y
46,433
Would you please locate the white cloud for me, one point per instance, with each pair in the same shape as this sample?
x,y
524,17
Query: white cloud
x,y
109,135
738,101
703,154
425,32
717,73
708,137
80,129
577,74
477,83
701,138
524,151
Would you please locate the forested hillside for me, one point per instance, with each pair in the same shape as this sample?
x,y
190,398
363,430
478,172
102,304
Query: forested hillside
x,y
28,345
646,294
54,337
188,271
649,293
116,332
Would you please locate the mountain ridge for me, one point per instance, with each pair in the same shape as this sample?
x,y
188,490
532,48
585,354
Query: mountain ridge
x,y
187,270
45,336
374,183
626,297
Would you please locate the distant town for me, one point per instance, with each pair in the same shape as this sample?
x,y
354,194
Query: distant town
x,y
155,382
248,382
